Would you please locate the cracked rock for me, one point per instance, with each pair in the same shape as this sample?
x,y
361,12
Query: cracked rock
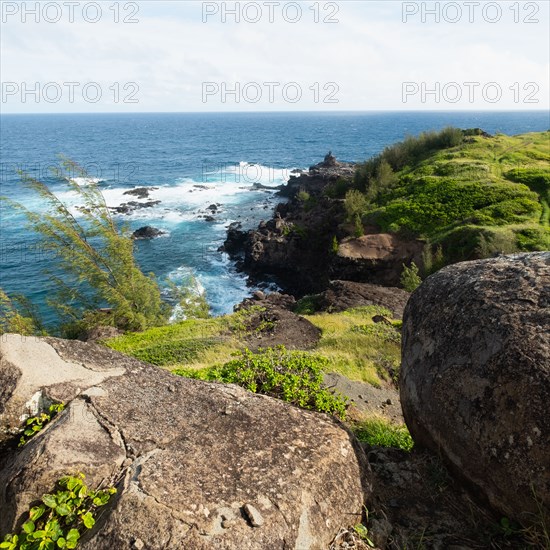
x,y
185,470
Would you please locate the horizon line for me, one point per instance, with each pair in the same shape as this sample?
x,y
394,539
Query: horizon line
x,y
343,111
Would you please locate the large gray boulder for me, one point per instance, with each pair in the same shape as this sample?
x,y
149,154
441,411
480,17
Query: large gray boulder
x,y
200,465
475,376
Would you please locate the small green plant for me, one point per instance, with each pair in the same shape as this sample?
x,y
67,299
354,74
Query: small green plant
x,y
303,196
381,432
508,527
363,533
35,424
61,518
334,246
293,376
358,230
355,204
410,279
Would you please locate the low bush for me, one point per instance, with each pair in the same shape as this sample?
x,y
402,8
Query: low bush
x,y
308,305
410,279
293,376
61,518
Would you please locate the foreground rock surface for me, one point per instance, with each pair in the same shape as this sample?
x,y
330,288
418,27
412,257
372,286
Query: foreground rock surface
x,y
475,376
200,465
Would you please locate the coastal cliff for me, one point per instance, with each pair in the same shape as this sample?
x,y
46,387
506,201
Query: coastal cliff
x,y
432,200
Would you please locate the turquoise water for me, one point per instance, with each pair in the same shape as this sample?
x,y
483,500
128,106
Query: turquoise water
x,y
195,160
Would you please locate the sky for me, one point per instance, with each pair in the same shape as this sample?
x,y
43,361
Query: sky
x,y
187,56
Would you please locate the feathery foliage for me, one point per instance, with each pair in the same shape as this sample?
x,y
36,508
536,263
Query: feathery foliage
x,y
18,316
96,258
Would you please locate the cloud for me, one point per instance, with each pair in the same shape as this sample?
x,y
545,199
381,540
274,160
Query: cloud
x,y
170,53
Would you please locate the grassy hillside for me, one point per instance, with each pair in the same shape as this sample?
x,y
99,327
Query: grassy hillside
x,y
466,193
351,343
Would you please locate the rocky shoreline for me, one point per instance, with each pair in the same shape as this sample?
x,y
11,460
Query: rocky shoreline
x,y
308,241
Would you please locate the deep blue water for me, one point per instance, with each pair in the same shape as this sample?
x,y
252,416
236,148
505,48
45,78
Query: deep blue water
x,y
223,153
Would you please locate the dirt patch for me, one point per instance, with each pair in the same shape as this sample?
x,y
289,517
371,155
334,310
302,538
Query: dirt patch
x,y
273,326
379,246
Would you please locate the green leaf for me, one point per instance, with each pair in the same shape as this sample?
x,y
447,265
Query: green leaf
x,y
61,542
29,526
88,520
49,500
72,536
37,512
63,510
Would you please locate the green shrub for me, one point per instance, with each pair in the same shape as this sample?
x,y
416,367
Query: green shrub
x,y
533,238
384,179
334,245
355,204
537,179
303,196
410,279
338,189
496,242
61,518
95,256
293,376
381,432
431,261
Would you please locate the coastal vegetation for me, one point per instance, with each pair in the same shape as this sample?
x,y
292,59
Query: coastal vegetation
x,y
469,195
346,345
100,281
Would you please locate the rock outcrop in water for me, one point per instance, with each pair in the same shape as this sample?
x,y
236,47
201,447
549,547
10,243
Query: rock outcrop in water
x,y
147,232
199,465
475,376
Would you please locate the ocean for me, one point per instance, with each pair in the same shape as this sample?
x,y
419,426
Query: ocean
x,y
193,161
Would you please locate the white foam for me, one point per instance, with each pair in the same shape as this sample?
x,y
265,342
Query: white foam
x,y
86,180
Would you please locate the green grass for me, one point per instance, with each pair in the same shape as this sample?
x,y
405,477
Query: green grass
x,y
351,343
381,432
355,346
194,343
453,195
